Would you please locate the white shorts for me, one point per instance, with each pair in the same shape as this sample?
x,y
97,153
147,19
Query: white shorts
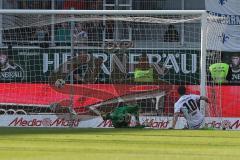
x,y
198,126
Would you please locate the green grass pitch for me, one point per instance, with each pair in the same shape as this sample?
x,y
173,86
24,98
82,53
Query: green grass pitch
x,y
117,144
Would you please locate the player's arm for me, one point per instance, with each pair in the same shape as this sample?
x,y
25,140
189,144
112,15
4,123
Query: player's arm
x,y
205,99
83,59
175,119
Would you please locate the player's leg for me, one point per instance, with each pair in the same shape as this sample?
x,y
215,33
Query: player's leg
x,y
117,118
134,111
121,124
120,118
199,125
63,104
118,122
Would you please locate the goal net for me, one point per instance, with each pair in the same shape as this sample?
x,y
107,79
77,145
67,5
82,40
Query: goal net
x,y
85,64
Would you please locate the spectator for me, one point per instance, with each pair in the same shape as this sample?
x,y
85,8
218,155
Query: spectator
x,y
171,35
220,72
10,71
62,34
42,35
4,62
144,71
235,63
80,35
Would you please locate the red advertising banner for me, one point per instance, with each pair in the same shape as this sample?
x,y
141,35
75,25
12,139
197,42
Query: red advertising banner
x,y
43,94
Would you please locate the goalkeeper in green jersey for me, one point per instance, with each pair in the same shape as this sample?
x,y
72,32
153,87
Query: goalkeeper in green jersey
x,y
121,116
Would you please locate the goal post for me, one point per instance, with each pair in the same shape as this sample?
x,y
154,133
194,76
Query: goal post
x,y
203,62
103,59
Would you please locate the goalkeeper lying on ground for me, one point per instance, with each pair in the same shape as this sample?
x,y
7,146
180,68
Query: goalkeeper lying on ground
x,y
121,116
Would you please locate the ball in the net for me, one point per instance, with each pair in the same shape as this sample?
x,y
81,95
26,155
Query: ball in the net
x,y
59,83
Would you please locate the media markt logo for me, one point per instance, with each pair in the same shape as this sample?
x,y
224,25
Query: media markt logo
x,y
46,122
227,124
153,123
222,2
224,38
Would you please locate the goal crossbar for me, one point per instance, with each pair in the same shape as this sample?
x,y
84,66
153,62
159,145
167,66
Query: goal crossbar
x,y
103,12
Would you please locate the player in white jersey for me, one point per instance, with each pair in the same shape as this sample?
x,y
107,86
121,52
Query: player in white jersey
x,y
189,106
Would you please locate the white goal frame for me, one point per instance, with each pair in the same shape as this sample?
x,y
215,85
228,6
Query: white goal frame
x,y
203,14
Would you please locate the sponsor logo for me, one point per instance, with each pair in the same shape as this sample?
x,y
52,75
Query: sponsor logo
x,y
224,38
105,124
12,72
222,2
153,123
46,122
235,124
161,62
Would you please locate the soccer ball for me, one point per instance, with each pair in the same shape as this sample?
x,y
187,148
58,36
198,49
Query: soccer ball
x,y
59,83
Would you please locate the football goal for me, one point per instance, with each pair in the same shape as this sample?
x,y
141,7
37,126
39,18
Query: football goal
x,y
83,63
